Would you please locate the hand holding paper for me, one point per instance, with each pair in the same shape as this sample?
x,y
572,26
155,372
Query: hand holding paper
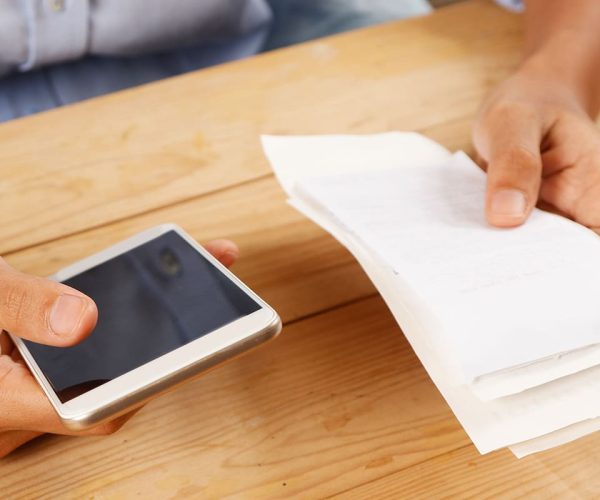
x,y
505,321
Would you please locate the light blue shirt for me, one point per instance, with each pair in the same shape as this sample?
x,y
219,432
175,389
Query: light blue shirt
x,y
36,33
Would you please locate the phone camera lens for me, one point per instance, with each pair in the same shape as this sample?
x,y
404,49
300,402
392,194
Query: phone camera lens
x,y
169,262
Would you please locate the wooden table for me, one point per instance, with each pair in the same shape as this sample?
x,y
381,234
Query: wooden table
x,y
339,404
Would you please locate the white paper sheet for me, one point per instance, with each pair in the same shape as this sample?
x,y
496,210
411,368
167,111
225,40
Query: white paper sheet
x,y
503,297
309,156
490,425
507,382
557,438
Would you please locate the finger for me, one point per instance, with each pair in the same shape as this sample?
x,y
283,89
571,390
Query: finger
x,y
109,427
509,138
555,161
571,141
579,201
43,311
26,407
11,440
7,349
225,251
16,357
6,345
549,207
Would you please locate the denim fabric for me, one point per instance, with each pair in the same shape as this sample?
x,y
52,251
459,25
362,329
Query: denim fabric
x,y
297,21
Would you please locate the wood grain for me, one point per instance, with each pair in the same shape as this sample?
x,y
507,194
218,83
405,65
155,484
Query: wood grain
x,y
119,155
337,400
338,405
567,472
288,260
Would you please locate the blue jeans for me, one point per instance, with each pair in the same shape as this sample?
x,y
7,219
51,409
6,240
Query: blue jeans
x,y
294,21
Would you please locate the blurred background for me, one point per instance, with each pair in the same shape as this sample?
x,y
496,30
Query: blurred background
x,y
43,81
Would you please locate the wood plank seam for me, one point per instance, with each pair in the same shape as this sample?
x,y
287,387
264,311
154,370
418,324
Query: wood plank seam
x,y
329,309
140,213
188,199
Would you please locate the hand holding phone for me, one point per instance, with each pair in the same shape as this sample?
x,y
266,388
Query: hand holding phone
x,y
26,305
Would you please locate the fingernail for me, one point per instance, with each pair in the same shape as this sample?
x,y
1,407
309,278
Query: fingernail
x,y
509,202
66,314
228,258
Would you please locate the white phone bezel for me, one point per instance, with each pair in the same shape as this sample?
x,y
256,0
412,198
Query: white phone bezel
x,y
133,388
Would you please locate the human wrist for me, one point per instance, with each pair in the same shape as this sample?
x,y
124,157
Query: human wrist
x,y
568,63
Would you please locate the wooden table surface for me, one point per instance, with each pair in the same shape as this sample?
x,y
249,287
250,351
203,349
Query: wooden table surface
x,y
338,404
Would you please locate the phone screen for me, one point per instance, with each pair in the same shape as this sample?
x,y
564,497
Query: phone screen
x,y
151,300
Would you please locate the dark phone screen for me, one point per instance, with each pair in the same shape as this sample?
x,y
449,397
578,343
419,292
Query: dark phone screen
x,y
151,300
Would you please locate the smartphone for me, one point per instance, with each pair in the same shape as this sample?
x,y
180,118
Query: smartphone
x,y
167,311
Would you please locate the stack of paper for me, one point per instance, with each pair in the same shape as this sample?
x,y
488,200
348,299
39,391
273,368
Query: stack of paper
x,y
506,322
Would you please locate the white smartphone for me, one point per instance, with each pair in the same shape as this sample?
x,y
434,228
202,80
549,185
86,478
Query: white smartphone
x,y
168,310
